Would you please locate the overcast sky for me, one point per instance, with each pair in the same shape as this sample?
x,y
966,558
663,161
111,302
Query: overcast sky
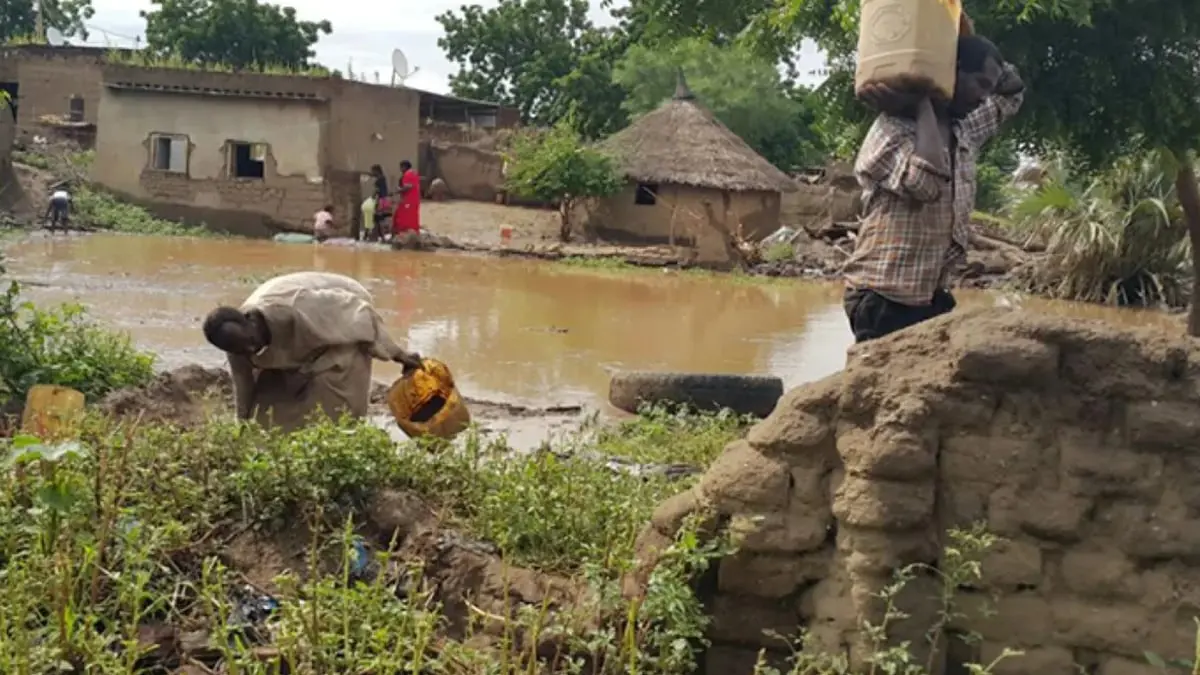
x,y
359,37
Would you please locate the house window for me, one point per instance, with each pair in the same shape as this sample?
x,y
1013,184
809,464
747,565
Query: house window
x,y
647,194
169,152
247,160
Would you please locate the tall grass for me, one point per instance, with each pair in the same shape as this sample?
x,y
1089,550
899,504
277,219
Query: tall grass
x,y
1117,237
145,59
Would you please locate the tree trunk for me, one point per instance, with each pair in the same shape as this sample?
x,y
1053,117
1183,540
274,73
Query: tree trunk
x,y
564,214
1188,191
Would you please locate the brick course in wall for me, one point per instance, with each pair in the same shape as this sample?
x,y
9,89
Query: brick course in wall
x,y
1078,445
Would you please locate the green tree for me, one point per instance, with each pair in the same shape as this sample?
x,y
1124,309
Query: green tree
x,y
556,166
240,33
1110,77
664,21
543,57
741,89
18,18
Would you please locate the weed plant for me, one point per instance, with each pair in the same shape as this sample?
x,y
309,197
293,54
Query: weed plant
x,y
61,346
92,207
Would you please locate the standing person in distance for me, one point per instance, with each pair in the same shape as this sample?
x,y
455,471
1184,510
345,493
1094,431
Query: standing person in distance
x,y
917,168
408,202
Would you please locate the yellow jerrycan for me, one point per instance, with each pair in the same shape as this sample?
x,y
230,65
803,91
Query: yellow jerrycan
x,y
425,402
909,44
50,411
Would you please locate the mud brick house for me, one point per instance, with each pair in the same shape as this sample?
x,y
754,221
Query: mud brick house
x,y
691,182
42,81
440,111
247,153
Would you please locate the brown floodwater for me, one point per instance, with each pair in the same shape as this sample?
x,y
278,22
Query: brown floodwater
x,y
521,331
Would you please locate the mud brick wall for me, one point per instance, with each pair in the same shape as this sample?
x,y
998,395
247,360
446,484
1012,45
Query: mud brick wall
x,y
48,77
246,207
1078,444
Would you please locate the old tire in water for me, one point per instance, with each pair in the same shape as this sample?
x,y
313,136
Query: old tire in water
x,y
743,394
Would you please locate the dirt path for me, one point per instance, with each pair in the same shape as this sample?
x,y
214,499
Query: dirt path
x,y
479,223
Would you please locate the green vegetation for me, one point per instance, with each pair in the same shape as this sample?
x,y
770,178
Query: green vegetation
x,y
240,34
126,530
61,346
18,20
1116,237
662,435
780,252
146,59
1151,67
741,89
555,166
92,207
124,536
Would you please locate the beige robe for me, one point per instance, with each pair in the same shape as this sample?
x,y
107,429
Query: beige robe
x,y
324,333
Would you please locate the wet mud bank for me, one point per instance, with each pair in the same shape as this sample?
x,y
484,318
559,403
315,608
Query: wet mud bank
x,y
192,394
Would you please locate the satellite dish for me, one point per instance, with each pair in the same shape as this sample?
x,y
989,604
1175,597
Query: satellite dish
x,y
399,63
400,69
55,38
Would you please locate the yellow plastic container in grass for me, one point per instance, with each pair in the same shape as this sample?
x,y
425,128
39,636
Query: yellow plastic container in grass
x,y
51,411
425,402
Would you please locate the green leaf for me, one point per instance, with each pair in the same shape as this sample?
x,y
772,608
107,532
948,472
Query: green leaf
x,y
1155,660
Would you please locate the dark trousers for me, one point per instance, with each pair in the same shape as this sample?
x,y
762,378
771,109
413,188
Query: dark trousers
x,y
57,213
874,316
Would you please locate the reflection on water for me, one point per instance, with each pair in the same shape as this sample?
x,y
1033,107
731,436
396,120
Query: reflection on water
x,y
519,330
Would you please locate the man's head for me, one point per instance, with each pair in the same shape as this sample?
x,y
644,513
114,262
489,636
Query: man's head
x,y
979,69
328,209
376,170
405,165
233,331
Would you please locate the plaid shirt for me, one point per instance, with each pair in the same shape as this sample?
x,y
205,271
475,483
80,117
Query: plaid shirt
x,y
916,221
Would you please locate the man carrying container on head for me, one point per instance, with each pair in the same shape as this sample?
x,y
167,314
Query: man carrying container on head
x,y
917,169
303,342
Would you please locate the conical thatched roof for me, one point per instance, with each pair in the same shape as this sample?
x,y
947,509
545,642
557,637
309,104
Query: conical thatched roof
x,y
682,143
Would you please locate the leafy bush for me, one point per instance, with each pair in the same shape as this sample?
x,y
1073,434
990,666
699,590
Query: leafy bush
x,y
1117,237
555,166
132,521
92,206
61,346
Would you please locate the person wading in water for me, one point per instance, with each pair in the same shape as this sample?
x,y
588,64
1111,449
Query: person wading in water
x,y
303,342
917,170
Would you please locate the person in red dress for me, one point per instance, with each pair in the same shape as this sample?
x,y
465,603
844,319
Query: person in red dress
x,y
407,214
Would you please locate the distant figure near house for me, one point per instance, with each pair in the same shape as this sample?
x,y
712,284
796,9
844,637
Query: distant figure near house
x,y
323,223
408,203
303,342
59,208
438,191
382,205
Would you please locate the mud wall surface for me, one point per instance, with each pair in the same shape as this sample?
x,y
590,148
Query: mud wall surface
x,y
202,189
46,78
834,197
470,173
1077,444
10,189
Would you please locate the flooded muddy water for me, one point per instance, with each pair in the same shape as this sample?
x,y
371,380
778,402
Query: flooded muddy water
x,y
525,332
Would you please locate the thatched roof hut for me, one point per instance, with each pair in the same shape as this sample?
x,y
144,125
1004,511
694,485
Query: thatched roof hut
x,y
682,143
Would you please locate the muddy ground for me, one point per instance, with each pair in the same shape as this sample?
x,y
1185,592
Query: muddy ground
x,y
190,394
469,577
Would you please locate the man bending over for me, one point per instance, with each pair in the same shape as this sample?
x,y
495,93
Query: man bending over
x,y
301,342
